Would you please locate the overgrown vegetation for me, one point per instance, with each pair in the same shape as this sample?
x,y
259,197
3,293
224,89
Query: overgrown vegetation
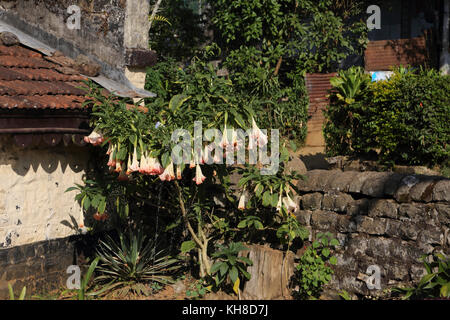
x,y
436,282
403,119
204,211
314,268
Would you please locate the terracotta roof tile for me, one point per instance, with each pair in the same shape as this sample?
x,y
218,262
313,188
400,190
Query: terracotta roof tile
x,y
30,81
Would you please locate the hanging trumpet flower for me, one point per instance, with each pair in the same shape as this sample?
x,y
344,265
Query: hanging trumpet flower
x,y
134,165
199,177
257,134
289,204
168,174
95,138
241,205
112,151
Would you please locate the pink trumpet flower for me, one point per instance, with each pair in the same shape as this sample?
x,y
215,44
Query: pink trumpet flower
x,y
168,174
135,163
111,160
95,138
110,149
290,205
224,143
258,134
118,166
128,172
199,177
156,168
241,205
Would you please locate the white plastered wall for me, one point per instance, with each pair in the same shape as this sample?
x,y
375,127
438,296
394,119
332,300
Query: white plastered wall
x,y
33,181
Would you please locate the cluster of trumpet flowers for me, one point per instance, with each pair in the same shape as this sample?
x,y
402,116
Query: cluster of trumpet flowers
x,y
141,161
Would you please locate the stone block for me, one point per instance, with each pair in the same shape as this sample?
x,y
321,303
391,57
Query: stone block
x,y
371,226
403,191
441,191
383,208
374,187
312,201
359,180
304,217
324,220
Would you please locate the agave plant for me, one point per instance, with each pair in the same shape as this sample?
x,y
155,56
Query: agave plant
x,y
131,262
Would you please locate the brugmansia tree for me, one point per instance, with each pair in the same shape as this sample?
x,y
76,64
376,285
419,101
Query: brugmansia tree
x,y
138,144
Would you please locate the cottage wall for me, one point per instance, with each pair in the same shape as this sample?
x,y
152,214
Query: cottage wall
x,y
33,181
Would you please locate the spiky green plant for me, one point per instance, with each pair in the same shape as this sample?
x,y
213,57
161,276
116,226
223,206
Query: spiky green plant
x,y
11,293
132,261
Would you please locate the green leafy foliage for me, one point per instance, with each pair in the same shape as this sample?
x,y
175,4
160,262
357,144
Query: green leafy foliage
x,y
436,282
229,267
83,292
402,119
182,36
313,269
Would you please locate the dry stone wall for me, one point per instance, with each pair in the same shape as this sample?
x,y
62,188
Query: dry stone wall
x,y
380,218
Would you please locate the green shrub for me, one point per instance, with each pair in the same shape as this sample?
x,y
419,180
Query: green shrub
x,y
404,119
313,270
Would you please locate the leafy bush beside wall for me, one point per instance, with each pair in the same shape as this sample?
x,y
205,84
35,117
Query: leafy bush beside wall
x,y
405,119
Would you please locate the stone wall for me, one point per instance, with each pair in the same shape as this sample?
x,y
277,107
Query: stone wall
x,y
40,266
33,181
380,218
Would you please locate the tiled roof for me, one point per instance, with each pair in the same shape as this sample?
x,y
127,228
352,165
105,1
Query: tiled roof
x,y
29,80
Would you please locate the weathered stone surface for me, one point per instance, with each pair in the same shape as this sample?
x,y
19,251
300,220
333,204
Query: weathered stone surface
x,y
441,191
345,224
369,225
336,201
374,187
270,272
140,58
359,180
312,201
392,184
342,181
295,164
324,220
8,39
312,180
403,191
405,230
423,190
431,236
443,213
414,211
304,217
417,272
383,208
358,207
327,183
